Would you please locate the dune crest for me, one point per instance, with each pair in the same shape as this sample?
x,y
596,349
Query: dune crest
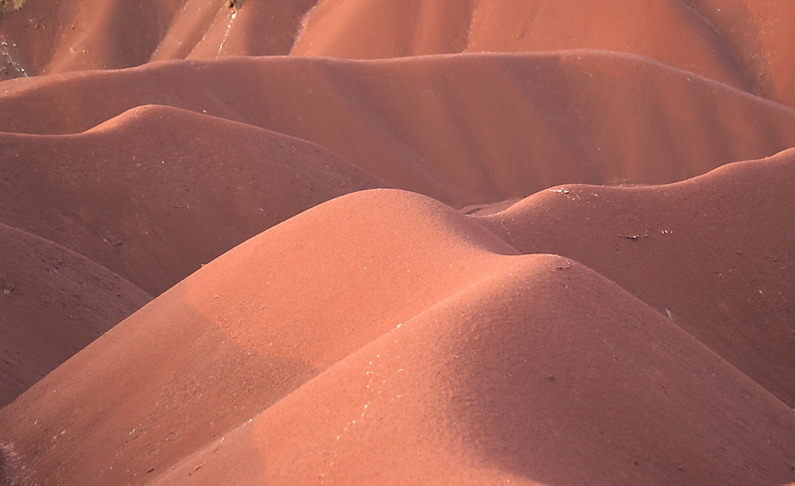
x,y
278,327
397,242
177,189
739,43
432,402
511,124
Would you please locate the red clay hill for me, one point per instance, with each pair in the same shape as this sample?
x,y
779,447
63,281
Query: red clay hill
x,y
397,242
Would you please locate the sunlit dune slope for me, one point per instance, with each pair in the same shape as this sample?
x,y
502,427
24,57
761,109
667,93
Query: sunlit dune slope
x,y
540,373
387,242
243,332
383,335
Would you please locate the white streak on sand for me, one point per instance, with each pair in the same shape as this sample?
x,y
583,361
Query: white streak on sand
x,y
4,52
226,34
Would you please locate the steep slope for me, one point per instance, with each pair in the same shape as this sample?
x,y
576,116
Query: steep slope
x,y
255,29
759,34
50,36
157,192
463,129
53,302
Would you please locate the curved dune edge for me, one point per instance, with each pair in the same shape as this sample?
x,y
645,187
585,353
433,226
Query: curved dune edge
x,y
740,43
431,402
464,129
483,242
678,37
152,195
174,189
53,303
279,332
712,254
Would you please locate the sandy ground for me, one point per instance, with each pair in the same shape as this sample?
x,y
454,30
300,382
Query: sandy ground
x,y
397,242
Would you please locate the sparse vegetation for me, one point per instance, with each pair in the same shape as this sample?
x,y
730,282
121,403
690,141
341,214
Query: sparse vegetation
x,y
6,5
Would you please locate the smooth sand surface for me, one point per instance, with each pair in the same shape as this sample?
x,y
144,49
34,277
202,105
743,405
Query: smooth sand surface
x,y
397,242
53,302
490,332
174,189
464,129
742,43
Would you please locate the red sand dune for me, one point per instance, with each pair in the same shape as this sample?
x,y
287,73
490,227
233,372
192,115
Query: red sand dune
x,y
53,302
581,274
51,36
258,29
714,254
261,323
742,43
666,30
760,34
463,129
174,189
439,400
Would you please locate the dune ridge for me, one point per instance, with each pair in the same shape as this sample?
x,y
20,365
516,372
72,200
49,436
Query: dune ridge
x,y
716,246
434,403
176,189
738,43
265,329
397,242
511,124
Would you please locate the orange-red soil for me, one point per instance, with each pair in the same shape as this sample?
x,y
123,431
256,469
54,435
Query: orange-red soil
x,y
397,242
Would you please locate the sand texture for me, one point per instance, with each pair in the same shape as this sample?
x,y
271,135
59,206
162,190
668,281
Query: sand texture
x,y
398,242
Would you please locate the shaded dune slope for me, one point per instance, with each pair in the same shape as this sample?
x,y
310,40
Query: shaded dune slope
x,y
759,35
258,29
52,36
370,351
48,37
741,43
53,302
156,192
667,31
463,129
